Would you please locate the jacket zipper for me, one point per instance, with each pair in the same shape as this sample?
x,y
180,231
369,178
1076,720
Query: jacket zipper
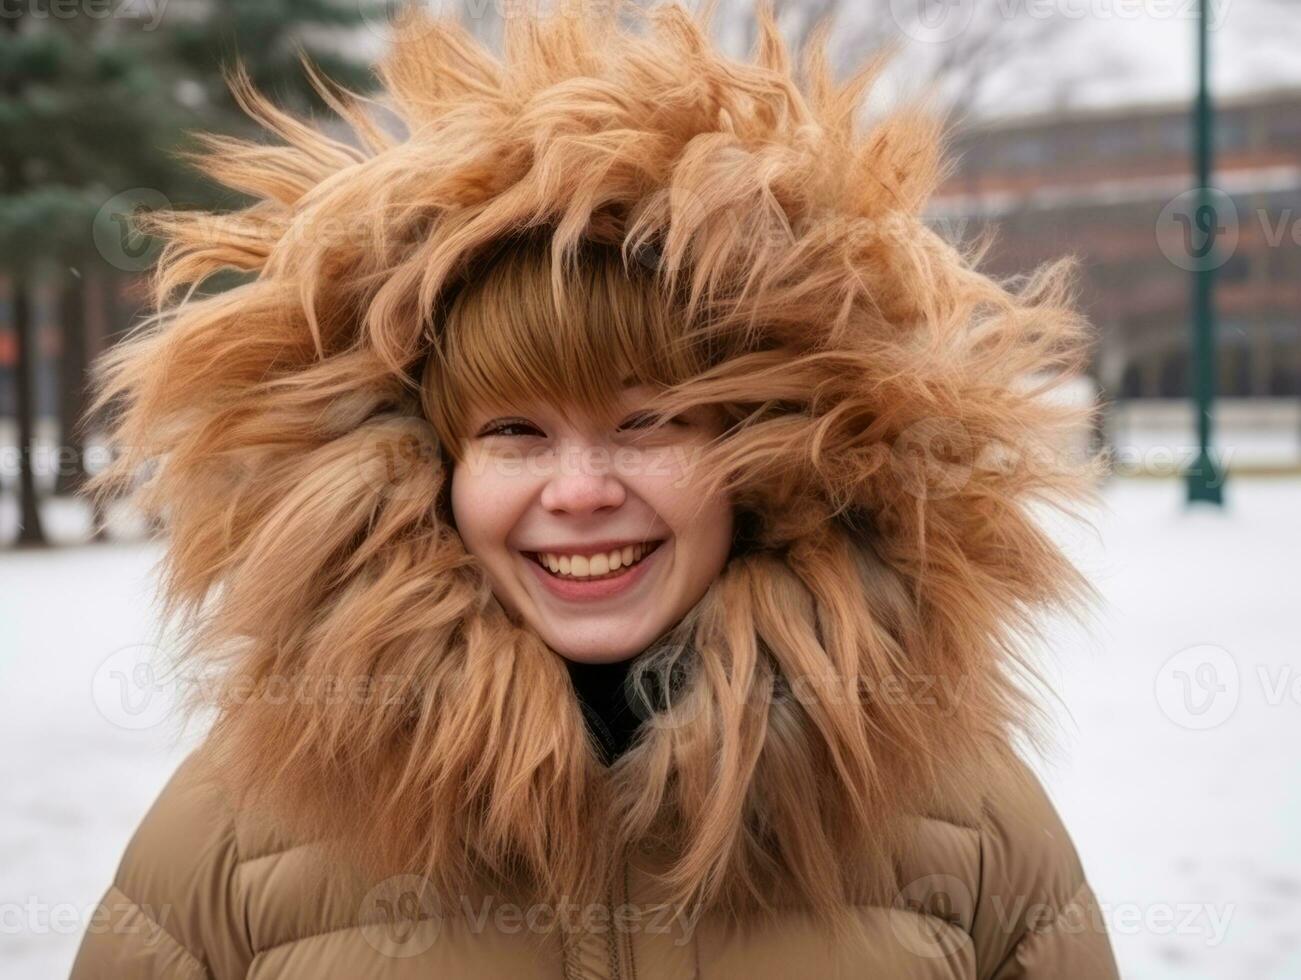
x,y
582,952
616,943
580,965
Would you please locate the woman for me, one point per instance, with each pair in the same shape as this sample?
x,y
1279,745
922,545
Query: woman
x,y
606,513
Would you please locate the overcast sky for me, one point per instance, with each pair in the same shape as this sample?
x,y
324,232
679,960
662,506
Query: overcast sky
x,y
1107,52
1089,52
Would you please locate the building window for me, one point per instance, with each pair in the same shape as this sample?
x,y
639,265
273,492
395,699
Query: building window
x,y
1231,132
1176,135
1234,363
1285,127
1285,375
1237,269
1131,382
1026,152
1174,375
1119,139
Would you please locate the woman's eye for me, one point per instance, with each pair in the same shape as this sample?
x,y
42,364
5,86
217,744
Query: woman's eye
x,y
522,427
637,421
644,419
509,428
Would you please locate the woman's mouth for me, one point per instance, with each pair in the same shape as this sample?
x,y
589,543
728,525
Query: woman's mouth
x,y
593,567
593,576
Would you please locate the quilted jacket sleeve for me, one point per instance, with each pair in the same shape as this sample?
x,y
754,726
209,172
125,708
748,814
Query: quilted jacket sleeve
x,y
173,908
1036,916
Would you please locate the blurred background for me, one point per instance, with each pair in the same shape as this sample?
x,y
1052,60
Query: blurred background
x,y
1074,129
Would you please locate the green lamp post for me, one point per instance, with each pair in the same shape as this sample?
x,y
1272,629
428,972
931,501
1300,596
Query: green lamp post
x,y
1204,479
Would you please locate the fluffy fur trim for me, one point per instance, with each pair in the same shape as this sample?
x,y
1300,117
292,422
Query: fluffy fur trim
x,y
861,660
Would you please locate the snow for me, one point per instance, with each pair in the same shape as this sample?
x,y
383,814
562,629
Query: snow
x,y
1183,802
1183,805
75,783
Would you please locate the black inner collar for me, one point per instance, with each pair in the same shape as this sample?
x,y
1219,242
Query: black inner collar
x,y
601,693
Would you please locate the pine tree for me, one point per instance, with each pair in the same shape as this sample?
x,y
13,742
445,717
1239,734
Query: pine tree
x,y
85,114
96,109
268,37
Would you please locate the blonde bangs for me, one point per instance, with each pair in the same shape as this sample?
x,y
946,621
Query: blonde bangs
x,y
522,331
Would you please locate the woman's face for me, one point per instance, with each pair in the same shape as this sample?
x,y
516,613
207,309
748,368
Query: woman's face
x,y
613,512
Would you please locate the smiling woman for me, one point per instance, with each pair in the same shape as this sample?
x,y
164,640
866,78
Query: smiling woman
x,y
682,387
588,521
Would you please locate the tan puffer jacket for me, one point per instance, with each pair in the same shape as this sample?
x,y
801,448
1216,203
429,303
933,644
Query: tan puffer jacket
x,y
890,459
204,894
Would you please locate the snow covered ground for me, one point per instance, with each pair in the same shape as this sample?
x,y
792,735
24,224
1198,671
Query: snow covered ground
x,y
1181,712
1175,773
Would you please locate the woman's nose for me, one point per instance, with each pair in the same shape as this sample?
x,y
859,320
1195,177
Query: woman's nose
x,y
582,482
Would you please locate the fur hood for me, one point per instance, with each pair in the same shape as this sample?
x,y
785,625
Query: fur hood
x,y
863,657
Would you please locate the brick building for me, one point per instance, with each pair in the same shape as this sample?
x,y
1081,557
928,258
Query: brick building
x,y
1112,187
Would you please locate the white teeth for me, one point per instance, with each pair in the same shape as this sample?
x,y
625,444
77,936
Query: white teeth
x,y
592,566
